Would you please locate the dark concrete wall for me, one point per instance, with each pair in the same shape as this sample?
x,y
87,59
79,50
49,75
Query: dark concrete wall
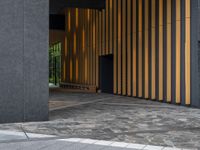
x,y
24,60
195,53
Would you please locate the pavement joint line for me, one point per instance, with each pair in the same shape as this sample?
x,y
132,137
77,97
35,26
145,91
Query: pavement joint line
x,y
146,106
80,104
24,132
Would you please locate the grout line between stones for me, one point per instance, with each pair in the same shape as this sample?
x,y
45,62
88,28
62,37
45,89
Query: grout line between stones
x,y
24,132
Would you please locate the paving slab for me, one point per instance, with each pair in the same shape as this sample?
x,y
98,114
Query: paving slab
x,y
12,135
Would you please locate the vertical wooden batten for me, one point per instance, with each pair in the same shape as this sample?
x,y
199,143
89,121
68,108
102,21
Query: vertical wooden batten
x,y
115,46
103,33
129,69
107,25
134,49
124,48
160,96
153,49
110,26
178,51
140,42
146,55
169,69
100,33
97,47
187,51
119,46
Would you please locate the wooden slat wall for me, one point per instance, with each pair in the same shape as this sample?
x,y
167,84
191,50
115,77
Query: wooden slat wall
x,y
139,35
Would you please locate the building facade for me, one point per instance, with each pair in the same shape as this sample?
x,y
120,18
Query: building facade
x,y
139,48
154,44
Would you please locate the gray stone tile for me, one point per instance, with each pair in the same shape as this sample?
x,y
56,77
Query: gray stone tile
x,y
11,135
30,145
36,145
93,147
10,147
37,136
59,145
75,146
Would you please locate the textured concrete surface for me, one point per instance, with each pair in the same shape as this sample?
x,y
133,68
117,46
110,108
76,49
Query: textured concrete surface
x,y
11,60
24,60
118,118
35,60
195,56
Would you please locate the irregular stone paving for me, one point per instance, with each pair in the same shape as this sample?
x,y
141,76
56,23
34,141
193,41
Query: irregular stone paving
x,y
117,118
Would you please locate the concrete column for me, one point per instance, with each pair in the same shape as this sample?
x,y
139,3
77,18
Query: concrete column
x,y
24,60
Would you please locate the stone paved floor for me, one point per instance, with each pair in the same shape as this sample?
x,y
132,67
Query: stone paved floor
x,y
117,118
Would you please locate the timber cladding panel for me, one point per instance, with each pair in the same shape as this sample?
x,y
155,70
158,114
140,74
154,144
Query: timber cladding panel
x,y
145,38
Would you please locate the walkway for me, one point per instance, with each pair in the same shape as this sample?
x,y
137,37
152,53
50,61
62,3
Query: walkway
x,y
116,118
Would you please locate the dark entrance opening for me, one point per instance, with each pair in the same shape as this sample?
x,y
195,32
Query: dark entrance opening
x,y
106,74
